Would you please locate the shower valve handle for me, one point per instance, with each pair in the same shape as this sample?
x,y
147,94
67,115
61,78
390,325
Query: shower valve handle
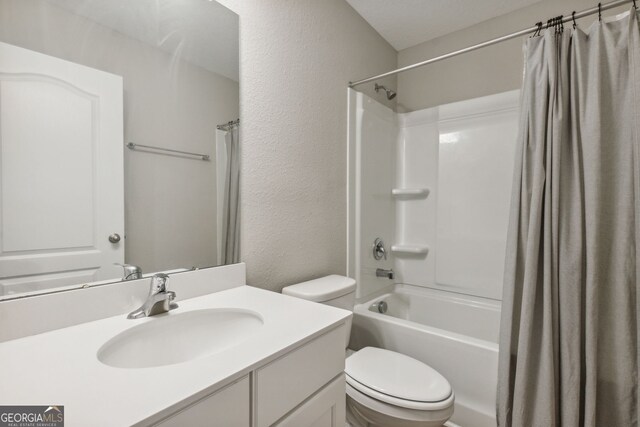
x,y
379,251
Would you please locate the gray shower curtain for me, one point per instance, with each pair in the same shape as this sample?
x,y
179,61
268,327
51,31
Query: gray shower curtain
x,y
231,214
569,332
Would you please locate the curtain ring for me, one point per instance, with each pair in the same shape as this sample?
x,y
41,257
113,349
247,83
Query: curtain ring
x,y
573,17
635,6
538,29
560,24
600,12
556,25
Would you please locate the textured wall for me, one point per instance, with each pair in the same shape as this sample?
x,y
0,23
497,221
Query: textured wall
x,y
487,71
296,58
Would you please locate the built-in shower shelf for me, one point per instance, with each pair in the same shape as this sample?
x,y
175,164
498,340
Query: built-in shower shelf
x,y
414,193
410,249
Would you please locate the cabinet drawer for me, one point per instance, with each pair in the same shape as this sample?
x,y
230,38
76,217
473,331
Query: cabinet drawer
x,y
228,407
286,382
327,408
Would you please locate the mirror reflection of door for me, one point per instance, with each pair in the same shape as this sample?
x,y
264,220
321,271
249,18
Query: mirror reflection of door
x,y
164,77
61,172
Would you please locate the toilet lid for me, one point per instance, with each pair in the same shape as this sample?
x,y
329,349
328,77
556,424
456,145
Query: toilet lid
x,y
397,375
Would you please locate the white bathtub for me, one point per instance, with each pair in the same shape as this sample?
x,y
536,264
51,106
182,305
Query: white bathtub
x,y
455,334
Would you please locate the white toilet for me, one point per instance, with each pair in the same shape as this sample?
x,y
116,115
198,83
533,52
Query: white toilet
x,y
384,388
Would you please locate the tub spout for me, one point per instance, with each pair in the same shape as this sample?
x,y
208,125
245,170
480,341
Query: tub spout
x,y
381,272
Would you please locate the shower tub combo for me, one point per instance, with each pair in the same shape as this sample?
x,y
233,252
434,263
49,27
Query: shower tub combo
x,y
455,334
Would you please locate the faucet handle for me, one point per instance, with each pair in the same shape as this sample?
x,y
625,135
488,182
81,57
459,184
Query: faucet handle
x,y
378,249
158,283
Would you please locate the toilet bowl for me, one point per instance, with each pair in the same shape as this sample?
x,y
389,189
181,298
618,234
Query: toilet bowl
x,y
387,388
384,388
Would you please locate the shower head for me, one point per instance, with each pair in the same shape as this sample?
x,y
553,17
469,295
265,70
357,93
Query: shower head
x,y
390,94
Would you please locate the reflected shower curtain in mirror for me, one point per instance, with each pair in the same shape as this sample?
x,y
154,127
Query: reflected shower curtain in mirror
x,y
569,331
231,215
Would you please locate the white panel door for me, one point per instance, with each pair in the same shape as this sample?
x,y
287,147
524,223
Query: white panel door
x,y
61,172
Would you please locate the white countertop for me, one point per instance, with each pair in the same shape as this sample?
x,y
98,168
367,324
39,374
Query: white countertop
x,y
61,368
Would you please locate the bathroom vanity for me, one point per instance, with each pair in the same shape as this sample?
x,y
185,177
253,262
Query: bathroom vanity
x,y
239,356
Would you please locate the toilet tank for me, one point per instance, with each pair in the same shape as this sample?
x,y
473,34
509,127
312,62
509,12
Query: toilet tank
x,y
336,291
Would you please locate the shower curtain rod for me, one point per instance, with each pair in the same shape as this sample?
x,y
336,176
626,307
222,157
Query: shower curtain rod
x,y
577,15
227,126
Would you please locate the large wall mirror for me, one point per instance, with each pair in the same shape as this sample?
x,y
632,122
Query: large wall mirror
x,y
118,140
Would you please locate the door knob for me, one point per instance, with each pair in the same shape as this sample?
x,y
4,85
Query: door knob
x,y
114,238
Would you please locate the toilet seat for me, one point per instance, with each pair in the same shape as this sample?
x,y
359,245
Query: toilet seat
x,y
398,380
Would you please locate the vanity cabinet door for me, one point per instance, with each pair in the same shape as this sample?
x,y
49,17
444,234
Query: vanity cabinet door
x,y
324,409
228,407
287,382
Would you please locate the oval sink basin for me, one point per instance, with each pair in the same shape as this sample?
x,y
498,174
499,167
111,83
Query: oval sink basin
x,y
179,338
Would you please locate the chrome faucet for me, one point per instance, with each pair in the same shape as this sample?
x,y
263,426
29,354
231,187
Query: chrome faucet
x,y
131,272
159,299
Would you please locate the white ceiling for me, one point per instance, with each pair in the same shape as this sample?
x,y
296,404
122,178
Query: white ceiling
x,y
202,32
406,23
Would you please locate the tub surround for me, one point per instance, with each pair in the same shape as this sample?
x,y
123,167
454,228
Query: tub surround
x,y
74,377
445,159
